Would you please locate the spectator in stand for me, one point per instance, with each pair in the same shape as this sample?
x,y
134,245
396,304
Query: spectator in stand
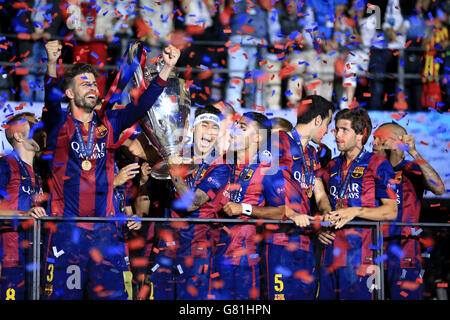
x,y
435,42
385,52
413,59
201,23
252,27
446,78
315,63
41,21
357,31
154,24
92,23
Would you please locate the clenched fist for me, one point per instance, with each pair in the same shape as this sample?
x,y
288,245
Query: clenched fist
x,y
53,49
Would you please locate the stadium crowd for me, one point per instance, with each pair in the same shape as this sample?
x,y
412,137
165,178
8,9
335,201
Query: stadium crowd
x,y
383,55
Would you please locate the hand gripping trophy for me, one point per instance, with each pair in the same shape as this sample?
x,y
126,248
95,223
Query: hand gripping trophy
x,y
166,124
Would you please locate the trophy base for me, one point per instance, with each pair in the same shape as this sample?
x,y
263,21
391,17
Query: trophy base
x,y
160,171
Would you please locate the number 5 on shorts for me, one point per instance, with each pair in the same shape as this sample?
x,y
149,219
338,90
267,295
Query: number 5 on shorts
x,y
279,285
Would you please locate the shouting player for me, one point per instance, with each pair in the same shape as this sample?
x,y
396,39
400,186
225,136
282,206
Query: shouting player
x,y
182,268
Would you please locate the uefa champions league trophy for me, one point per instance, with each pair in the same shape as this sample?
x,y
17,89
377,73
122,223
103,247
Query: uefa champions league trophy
x,y
166,124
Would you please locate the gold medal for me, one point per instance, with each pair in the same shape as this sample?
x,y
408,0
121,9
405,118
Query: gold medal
x,y
309,191
339,204
86,165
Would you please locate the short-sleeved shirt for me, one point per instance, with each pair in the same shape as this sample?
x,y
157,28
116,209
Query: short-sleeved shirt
x,y
410,189
251,185
297,182
19,190
74,191
371,180
211,178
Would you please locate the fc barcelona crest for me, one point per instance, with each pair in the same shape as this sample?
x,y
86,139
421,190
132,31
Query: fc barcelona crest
x,y
358,172
249,175
398,176
49,289
100,131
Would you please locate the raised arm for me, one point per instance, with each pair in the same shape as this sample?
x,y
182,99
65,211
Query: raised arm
x,y
52,114
135,110
431,179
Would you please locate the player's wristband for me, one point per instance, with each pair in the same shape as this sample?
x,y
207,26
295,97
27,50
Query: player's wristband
x,y
246,209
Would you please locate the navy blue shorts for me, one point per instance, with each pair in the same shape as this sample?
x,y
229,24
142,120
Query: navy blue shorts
x,y
86,264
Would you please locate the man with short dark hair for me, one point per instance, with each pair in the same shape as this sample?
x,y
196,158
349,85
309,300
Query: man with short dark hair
x,y
360,186
252,193
301,168
279,123
20,193
80,262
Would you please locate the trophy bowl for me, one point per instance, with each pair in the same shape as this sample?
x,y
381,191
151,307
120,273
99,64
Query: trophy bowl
x,y
166,124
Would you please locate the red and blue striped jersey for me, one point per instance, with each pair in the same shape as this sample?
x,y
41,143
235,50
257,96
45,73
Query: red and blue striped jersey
x,y
196,238
371,180
251,185
294,167
19,190
74,191
410,189
297,182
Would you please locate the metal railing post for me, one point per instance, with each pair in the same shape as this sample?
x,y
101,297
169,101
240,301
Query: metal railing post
x,y
36,269
380,243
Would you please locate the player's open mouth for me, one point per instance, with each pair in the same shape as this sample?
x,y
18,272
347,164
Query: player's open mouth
x,y
205,142
91,97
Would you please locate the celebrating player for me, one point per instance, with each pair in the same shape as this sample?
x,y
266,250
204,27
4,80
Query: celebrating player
x,y
21,191
80,261
303,180
360,185
252,192
186,250
412,177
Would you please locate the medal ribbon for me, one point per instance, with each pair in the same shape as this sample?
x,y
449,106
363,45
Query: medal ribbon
x,y
86,151
193,179
240,180
344,185
309,170
26,173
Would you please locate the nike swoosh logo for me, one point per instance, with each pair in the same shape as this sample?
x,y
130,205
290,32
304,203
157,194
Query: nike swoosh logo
x,y
296,158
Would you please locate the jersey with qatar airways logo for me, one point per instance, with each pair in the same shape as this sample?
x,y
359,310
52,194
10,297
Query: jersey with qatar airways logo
x,y
20,191
298,180
250,184
196,238
410,188
78,192
371,180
